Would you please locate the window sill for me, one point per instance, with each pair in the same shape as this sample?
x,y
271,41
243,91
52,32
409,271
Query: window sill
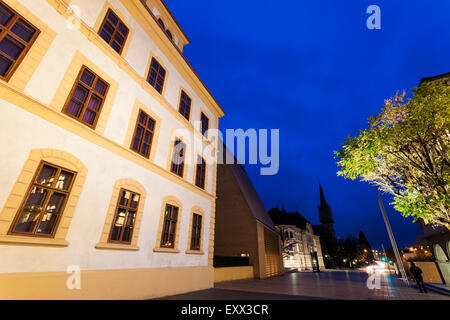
x,y
32,241
199,252
166,250
116,246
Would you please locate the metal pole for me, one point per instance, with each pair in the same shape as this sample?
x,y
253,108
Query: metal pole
x,y
391,237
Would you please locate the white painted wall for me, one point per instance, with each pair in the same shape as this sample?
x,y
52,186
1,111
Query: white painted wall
x,y
104,169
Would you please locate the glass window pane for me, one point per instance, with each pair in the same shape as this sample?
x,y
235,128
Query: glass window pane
x,y
108,27
174,213
115,46
5,64
89,116
135,145
11,47
80,93
113,18
74,108
151,124
55,203
120,40
94,103
49,217
123,29
31,210
5,14
147,137
134,201
23,30
46,176
142,118
87,77
105,35
145,149
125,198
64,180
100,87
120,218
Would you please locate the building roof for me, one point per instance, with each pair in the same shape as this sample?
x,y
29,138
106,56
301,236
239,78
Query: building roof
x,y
175,20
285,218
248,190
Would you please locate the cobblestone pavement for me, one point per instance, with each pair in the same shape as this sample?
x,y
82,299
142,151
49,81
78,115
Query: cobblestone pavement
x,y
342,285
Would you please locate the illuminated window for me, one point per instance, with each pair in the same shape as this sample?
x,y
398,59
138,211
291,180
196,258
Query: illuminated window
x,y
114,31
44,203
86,98
17,36
196,231
169,227
125,216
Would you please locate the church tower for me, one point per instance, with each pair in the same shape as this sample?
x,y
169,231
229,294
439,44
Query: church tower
x,y
326,217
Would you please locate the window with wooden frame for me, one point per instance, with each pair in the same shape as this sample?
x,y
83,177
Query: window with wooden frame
x,y
196,232
125,217
200,173
114,31
205,123
156,75
185,105
17,36
169,227
44,203
143,134
86,98
179,152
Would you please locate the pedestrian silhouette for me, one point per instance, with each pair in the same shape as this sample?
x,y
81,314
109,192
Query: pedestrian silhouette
x,y
417,274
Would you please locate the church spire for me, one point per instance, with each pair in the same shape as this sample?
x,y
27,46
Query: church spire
x,y
326,217
322,196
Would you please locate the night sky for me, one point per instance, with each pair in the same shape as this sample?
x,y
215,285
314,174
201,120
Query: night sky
x,y
313,70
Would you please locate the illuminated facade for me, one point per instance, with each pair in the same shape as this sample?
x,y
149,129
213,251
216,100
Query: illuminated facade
x,y
301,248
98,106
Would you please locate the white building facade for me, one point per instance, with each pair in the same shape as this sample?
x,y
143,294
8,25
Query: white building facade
x,y
301,248
98,105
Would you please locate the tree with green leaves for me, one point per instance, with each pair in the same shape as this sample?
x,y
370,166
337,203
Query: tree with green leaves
x,y
404,152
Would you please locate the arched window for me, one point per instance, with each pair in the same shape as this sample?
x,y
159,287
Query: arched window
x,y
169,226
42,213
124,215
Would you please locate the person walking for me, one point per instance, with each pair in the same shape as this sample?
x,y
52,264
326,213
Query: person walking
x,y
417,274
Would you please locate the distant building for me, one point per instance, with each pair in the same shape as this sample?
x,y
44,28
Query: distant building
x,y
326,230
243,227
301,247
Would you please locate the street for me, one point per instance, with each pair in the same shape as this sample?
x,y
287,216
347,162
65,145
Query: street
x,y
341,285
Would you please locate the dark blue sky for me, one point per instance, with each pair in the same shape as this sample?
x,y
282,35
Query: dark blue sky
x,y
313,70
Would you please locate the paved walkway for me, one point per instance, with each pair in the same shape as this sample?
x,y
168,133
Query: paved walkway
x,y
312,286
